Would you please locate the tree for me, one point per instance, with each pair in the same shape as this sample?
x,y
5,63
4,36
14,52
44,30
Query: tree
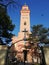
x,y
39,35
6,3
6,26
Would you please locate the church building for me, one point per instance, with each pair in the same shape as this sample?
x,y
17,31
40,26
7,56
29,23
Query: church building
x,y
19,41
24,26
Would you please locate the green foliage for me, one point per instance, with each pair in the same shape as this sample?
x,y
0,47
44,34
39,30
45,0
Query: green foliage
x,y
6,26
39,34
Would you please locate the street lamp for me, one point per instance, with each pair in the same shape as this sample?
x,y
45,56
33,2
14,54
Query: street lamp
x,y
25,50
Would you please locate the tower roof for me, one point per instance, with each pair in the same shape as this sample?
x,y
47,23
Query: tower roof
x,y
25,7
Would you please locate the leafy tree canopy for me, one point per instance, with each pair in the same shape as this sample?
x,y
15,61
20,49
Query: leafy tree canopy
x,y
6,26
39,34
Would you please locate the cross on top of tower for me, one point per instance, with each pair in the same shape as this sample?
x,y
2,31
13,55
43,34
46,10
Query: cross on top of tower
x,y
25,4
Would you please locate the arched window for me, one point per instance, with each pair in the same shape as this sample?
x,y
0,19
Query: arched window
x,y
24,23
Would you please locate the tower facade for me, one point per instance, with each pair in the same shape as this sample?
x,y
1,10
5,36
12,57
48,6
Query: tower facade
x,y
24,25
25,18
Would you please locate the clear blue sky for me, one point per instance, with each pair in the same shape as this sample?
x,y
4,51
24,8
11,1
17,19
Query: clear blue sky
x,y
39,13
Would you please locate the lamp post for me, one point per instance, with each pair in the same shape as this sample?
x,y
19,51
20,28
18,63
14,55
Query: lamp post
x,y
25,51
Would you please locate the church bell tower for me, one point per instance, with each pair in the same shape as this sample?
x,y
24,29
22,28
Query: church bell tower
x,y
25,18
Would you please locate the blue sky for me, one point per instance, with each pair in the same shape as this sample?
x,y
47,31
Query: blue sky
x,y
39,13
